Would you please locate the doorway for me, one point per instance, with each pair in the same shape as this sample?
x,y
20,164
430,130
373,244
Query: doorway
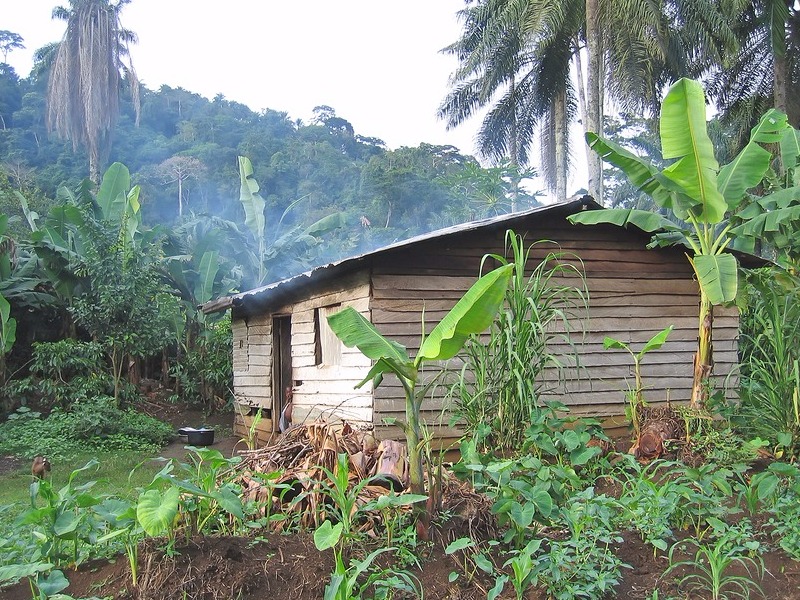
x,y
281,366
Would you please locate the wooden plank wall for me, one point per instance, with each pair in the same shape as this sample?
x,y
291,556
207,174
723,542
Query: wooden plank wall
x,y
326,391
318,390
634,293
252,361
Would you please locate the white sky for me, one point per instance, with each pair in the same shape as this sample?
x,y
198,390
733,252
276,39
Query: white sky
x,y
376,62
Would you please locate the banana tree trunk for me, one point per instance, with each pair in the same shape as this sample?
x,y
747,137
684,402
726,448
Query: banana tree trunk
x,y
415,473
703,359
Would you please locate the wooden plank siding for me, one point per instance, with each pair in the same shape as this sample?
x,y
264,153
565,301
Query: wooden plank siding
x,y
252,361
633,293
328,390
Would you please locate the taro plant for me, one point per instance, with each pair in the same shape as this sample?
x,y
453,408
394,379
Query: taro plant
x,y
44,580
389,505
783,499
651,500
635,394
64,525
121,517
472,314
344,583
207,498
584,564
699,194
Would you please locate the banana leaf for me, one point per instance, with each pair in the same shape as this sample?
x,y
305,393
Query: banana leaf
x,y
354,329
113,192
647,221
749,167
472,314
204,286
251,200
717,275
684,136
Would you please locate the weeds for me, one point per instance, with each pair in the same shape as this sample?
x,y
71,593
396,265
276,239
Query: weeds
x,y
709,568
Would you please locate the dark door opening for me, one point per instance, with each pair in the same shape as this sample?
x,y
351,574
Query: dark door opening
x,y
281,366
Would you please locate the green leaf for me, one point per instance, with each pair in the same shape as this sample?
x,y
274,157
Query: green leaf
x,y
156,511
325,224
327,535
497,589
459,544
609,342
641,174
230,502
582,455
655,342
209,267
645,220
251,200
717,275
522,514
472,314
749,167
66,523
542,500
684,136
113,192
790,148
354,329
483,563
52,583
452,576
18,571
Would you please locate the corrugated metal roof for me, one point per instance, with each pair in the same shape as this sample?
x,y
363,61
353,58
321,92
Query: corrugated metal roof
x,y
265,293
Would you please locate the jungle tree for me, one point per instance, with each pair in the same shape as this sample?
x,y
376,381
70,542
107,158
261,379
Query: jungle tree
x,y
85,77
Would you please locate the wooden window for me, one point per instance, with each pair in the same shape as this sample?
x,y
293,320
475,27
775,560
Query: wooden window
x,y
327,347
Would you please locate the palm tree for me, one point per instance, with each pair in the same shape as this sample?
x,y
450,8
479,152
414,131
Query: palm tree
x,y
765,71
85,77
530,82
525,49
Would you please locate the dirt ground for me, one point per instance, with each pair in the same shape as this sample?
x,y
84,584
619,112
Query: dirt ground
x,y
212,568
216,568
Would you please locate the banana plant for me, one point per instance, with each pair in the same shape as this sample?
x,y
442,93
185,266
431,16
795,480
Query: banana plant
x,y
699,194
472,314
291,245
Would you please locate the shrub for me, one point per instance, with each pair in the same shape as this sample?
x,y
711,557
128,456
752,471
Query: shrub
x,y
62,372
93,426
204,373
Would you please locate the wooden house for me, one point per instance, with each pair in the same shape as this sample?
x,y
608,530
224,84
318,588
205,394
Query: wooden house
x,y
282,345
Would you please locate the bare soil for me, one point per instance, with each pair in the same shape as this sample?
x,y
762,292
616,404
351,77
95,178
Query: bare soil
x,y
289,566
216,568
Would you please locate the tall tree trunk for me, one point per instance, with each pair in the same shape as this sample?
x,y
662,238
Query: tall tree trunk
x,y
780,71
180,196
513,149
581,85
594,99
703,359
560,122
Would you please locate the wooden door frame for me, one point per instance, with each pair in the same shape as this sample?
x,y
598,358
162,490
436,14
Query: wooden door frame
x,y
281,364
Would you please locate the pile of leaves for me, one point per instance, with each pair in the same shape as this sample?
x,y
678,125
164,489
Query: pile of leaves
x,y
318,466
